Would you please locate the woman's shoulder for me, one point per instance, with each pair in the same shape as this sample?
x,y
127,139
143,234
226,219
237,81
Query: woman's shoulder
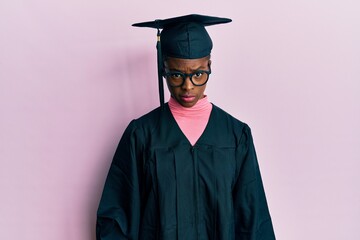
x,y
224,116
149,121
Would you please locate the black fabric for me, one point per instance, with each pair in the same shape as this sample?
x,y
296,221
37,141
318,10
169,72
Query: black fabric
x,y
159,187
186,40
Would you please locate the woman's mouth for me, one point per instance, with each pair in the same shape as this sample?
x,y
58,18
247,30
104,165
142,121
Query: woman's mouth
x,y
187,98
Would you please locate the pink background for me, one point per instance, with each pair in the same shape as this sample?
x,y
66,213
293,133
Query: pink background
x,y
74,73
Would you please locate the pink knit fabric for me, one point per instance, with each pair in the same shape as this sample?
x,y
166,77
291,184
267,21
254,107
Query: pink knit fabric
x,y
192,121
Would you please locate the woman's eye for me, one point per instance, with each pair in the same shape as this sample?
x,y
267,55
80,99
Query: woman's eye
x,y
198,74
175,75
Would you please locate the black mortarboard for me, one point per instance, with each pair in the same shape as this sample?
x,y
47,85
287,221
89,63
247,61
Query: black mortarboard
x,y
182,37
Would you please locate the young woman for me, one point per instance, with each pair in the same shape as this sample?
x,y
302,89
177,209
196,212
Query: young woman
x,y
186,170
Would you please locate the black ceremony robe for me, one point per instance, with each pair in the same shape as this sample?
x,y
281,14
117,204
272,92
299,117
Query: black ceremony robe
x,y
161,187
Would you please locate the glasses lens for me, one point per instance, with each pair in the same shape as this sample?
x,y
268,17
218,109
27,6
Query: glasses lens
x,y
175,79
199,78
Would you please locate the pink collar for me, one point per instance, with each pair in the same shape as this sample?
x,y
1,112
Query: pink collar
x,y
192,121
202,106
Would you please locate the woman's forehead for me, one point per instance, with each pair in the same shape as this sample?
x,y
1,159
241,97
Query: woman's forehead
x,y
192,64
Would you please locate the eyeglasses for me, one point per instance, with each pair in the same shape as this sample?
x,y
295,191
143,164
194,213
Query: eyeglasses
x,y
177,79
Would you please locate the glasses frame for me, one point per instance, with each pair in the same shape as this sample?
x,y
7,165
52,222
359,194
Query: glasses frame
x,y
184,76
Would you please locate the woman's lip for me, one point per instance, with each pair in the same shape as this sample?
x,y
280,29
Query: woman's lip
x,y
187,98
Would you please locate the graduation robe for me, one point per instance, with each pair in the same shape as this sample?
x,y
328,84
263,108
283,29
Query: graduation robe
x,y
160,187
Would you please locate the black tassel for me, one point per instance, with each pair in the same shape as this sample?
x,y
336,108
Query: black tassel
x,y
160,69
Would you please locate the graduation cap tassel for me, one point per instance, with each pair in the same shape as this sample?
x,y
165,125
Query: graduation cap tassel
x,y
160,69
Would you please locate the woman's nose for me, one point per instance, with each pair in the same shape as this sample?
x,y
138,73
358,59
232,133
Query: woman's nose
x,y
187,85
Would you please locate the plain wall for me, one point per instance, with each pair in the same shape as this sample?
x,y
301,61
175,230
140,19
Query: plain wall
x,y
74,73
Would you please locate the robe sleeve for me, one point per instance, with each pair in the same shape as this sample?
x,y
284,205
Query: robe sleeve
x,y
118,215
252,217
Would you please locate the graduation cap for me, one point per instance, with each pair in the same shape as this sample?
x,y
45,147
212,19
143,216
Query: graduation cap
x,y
181,37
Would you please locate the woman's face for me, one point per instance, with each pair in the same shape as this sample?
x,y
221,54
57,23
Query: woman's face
x,y
187,94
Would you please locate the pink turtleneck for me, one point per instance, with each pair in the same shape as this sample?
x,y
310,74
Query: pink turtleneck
x,y
192,121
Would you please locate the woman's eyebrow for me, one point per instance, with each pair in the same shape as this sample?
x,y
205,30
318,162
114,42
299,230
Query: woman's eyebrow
x,y
174,69
192,70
